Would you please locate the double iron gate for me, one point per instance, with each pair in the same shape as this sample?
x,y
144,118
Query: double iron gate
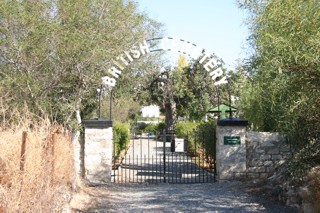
x,y
165,159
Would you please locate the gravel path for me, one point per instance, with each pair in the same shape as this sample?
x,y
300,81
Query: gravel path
x,y
209,197
205,197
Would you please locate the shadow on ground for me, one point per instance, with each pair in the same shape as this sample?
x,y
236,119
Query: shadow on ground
x,y
208,197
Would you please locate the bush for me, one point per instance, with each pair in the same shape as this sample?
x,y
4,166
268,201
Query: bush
x,y
161,126
206,132
121,135
199,135
186,130
154,128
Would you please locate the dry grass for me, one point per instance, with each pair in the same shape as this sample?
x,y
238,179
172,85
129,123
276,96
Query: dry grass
x,y
314,186
45,183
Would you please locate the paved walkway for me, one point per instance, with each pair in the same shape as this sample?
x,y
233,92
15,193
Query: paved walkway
x,y
209,197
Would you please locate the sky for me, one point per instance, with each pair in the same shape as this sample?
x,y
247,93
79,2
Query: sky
x,y
215,25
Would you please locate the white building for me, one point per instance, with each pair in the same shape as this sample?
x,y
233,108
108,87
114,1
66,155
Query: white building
x,y
151,111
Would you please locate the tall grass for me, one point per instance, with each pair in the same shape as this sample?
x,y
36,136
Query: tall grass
x,y
44,184
314,186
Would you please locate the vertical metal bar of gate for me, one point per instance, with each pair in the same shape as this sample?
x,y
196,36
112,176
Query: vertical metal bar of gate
x,y
215,155
156,161
180,167
141,160
148,149
203,156
114,161
144,166
164,156
133,143
129,169
125,171
199,162
188,163
172,169
152,172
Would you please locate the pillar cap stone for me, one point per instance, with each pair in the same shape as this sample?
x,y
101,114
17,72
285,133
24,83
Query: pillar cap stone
x,y
232,122
97,123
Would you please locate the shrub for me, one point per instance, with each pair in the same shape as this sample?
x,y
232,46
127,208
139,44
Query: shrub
x,y
161,126
183,130
199,135
186,130
121,135
206,134
140,127
154,128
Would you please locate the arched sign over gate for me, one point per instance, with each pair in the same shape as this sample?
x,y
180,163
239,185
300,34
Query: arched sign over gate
x,y
209,61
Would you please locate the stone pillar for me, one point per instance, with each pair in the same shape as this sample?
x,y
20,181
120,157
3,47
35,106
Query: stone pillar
x,y
231,149
98,151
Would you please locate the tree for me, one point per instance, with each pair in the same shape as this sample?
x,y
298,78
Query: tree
x,y
187,90
54,53
282,94
195,90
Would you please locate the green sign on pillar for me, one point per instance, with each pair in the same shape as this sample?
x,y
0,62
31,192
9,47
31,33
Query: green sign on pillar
x,y
231,140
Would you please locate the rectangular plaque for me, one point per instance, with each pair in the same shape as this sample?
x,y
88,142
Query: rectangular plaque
x,y
231,140
179,145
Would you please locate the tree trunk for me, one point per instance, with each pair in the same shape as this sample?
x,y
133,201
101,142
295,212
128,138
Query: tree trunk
x,y
171,116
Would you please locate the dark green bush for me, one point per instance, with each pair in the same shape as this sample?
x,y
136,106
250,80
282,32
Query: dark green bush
x,y
199,135
154,128
206,134
186,130
121,137
161,127
183,129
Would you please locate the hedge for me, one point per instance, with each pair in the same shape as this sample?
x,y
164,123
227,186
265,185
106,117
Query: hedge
x,y
121,136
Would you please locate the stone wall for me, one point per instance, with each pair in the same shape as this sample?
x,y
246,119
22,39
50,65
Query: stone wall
x,y
97,151
98,154
265,153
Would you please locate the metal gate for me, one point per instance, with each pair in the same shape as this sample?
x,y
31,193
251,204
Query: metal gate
x,y
165,159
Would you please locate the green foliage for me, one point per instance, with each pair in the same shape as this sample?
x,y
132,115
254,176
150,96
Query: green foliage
x,y
54,53
154,128
186,130
161,127
187,90
281,93
121,135
200,135
206,134
194,90
151,128
285,66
